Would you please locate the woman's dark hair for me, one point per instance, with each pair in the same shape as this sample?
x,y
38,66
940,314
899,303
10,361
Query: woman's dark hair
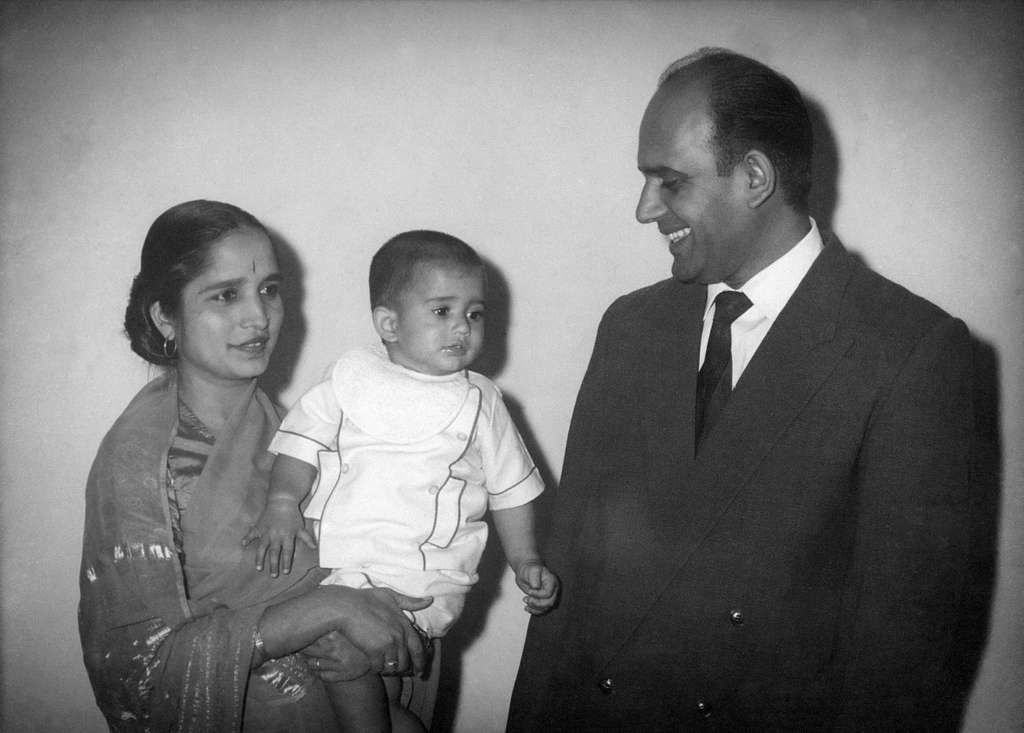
x,y
394,266
176,250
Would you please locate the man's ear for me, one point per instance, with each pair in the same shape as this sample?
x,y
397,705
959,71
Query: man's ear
x,y
164,324
385,321
760,177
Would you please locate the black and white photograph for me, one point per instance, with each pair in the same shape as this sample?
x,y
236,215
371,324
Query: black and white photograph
x,y
478,367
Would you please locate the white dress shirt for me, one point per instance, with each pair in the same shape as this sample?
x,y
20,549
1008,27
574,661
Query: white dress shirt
x,y
768,291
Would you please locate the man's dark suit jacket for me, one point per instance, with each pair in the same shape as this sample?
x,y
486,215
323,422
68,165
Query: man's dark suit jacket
x,y
806,571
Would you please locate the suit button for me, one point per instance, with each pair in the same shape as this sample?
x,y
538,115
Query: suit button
x,y
704,708
344,468
736,617
606,685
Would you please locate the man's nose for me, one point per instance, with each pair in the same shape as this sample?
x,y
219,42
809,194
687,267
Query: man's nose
x,y
649,207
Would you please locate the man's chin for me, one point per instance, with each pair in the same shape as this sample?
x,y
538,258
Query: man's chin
x,y
683,274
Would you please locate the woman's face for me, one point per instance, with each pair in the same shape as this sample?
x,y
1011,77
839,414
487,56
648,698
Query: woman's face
x,y
229,316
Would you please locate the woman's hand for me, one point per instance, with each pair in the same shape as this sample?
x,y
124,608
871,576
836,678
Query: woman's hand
x,y
375,624
371,621
336,659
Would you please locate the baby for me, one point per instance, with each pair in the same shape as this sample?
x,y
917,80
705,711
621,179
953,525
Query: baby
x,y
409,449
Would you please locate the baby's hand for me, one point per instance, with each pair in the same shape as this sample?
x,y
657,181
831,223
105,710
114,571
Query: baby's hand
x,y
277,529
539,584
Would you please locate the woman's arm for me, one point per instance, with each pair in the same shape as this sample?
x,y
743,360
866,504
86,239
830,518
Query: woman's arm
x,y
372,620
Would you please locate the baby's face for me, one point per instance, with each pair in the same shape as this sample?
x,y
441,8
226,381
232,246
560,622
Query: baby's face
x,y
439,325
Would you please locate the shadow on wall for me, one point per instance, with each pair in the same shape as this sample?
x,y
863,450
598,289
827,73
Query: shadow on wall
x,y
825,167
293,332
985,490
494,355
985,501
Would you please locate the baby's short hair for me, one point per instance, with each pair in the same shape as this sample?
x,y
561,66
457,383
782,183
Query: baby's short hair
x,y
394,266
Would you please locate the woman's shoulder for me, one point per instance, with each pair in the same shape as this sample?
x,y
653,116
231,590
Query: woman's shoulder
x,y
150,412
150,399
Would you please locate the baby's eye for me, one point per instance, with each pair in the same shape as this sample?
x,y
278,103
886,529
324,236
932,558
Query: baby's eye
x,y
441,311
226,296
475,315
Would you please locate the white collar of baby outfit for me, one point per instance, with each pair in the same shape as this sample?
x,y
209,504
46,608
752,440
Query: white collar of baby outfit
x,y
392,403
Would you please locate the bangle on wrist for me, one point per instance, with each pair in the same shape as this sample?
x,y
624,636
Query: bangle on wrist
x,y
257,642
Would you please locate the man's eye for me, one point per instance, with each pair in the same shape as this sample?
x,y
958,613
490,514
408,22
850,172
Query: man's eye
x,y
672,184
442,311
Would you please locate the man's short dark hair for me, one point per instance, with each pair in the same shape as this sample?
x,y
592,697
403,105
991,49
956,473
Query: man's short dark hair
x,y
753,106
394,266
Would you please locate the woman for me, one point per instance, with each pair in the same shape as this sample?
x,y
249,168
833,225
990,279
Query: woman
x,y
179,630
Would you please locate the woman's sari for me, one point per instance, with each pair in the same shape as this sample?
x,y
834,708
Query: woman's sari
x,y
160,659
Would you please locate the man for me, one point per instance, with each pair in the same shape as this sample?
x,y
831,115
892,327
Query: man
x,y
762,521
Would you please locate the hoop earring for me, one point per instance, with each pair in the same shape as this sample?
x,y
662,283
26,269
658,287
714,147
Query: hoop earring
x,y
173,350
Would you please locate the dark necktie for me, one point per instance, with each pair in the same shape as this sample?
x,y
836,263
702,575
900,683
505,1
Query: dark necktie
x,y
714,381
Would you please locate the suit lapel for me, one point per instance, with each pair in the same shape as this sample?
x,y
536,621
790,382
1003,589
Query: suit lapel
x,y
797,355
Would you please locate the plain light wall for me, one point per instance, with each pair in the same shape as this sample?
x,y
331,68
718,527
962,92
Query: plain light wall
x,y
512,126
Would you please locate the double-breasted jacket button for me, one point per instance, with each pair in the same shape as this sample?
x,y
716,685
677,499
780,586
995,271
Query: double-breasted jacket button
x,y
344,468
704,708
736,617
606,685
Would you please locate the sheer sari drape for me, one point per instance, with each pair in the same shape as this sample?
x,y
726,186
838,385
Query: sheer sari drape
x,y
158,658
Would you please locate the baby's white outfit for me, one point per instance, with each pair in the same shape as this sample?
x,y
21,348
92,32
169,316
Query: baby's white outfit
x,y
408,465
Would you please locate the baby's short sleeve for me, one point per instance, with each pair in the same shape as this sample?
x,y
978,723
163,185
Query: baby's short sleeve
x,y
512,478
310,426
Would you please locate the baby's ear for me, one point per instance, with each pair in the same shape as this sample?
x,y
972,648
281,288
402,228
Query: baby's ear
x,y
385,321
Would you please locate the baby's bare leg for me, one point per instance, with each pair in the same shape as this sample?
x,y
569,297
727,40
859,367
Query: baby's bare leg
x,y
360,704
402,721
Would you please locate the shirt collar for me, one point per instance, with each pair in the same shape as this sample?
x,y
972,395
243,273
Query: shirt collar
x,y
771,288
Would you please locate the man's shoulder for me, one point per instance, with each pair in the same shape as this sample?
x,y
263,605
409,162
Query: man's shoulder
x,y
879,304
666,289
668,293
